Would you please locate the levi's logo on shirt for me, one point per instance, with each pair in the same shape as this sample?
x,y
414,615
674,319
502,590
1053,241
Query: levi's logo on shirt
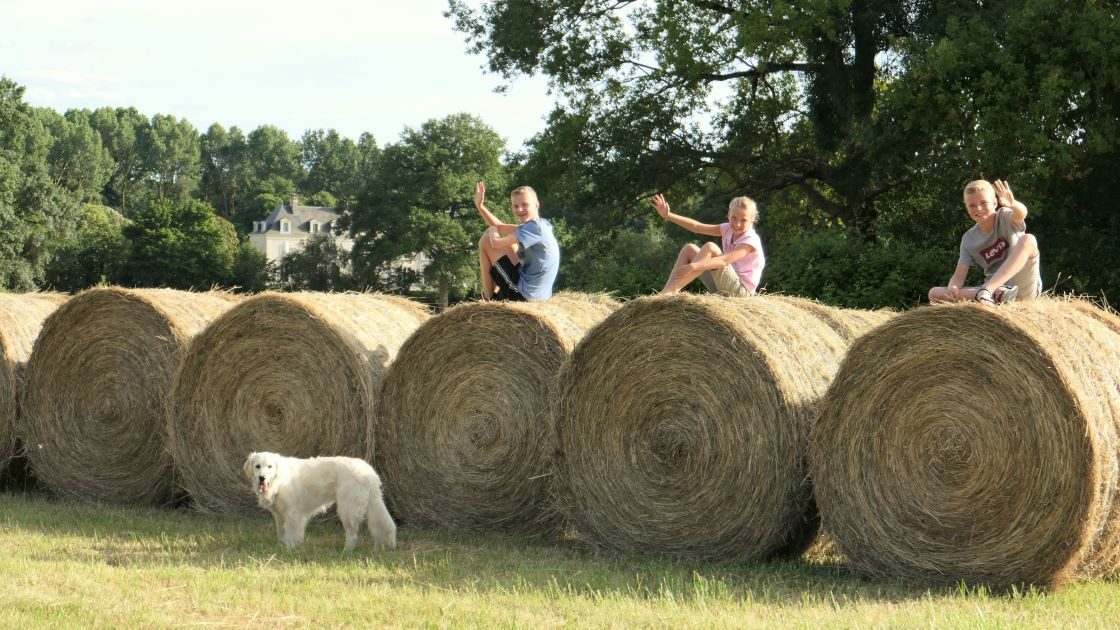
x,y
996,251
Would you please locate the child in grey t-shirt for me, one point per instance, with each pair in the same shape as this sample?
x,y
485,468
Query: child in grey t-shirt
x,y
999,244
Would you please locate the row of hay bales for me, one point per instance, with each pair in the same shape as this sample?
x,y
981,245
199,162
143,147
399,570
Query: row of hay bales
x,y
947,443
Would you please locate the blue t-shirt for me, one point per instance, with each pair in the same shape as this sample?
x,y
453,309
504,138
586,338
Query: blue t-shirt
x,y
540,259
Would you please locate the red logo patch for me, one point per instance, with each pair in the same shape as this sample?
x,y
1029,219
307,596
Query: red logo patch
x,y
996,251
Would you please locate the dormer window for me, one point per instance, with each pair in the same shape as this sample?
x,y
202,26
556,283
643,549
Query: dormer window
x,y
313,227
285,226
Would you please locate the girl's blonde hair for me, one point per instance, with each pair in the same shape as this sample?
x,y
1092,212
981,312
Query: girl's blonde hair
x,y
747,203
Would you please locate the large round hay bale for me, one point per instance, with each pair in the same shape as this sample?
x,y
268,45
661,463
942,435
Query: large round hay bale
x,y
21,317
96,391
465,439
683,426
292,373
963,443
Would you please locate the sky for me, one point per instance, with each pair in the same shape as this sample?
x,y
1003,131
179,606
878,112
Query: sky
x,y
354,66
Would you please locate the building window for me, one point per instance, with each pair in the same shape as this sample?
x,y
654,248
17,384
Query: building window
x,y
286,226
287,247
313,227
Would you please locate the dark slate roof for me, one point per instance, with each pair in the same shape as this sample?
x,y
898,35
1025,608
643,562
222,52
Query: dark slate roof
x,y
301,217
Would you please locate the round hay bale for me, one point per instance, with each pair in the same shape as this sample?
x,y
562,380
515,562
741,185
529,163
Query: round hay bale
x,y
1098,310
21,317
683,426
848,323
859,321
96,390
293,373
963,443
465,438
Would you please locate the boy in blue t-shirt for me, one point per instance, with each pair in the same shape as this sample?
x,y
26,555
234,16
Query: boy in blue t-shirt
x,y
517,262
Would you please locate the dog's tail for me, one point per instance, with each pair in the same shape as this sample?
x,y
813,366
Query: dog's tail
x,y
381,525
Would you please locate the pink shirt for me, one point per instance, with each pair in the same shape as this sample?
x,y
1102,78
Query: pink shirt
x,y
749,267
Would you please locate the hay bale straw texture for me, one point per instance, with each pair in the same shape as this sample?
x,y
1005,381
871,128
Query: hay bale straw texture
x,y
848,323
21,317
96,390
465,438
292,373
963,443
683,426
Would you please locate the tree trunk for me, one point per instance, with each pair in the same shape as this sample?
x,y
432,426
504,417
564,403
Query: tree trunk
x,y
444,291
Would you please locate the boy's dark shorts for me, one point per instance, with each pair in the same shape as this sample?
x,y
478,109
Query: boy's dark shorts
x,y
506,275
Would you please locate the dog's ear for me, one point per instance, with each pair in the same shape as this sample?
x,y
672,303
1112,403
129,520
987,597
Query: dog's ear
x,y
248,466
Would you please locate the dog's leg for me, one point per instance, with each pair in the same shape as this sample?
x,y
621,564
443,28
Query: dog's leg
x,y
279,518
381,525
296,529
351,522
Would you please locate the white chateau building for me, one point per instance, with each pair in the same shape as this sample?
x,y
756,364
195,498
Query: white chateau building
x,y
288,227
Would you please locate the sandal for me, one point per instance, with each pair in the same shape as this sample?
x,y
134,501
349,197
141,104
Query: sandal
x,y
984,296
1005,294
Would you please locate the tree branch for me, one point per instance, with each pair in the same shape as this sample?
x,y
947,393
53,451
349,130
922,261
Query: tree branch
x,y
761,70
713,6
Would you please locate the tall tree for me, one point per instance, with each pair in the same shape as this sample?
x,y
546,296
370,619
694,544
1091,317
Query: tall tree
x,y
77,160
120,131
755,96
273,154
180,245
226,170
422,201
35,212
172,157
95,255
332,164
260,199
319,265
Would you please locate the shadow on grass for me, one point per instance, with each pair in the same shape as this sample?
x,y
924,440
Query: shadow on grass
x,y
443,560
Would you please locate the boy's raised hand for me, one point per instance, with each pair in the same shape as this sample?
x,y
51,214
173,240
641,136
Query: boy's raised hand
x,y
1004,196
661,206
479,194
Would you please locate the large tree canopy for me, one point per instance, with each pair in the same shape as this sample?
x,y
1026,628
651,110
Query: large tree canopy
x,y
741,95
869,114
37,210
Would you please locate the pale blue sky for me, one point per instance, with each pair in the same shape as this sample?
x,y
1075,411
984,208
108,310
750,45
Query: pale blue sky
x,y
354,66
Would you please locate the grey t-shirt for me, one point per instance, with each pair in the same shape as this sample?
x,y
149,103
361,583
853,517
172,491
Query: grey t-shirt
x,y
991,250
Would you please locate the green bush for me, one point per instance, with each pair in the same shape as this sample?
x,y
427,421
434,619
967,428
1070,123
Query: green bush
x,y
842,270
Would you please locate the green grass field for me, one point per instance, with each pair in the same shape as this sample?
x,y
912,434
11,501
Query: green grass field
x,y
67,564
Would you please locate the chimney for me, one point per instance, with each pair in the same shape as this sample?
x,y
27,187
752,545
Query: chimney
x,y
295,200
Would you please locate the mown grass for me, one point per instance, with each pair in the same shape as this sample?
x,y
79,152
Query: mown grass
x,y
67,564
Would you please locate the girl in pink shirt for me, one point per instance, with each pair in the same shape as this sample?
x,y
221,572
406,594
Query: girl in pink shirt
x,y
733,270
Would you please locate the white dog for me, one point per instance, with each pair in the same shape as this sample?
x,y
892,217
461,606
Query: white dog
x,y
295,490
